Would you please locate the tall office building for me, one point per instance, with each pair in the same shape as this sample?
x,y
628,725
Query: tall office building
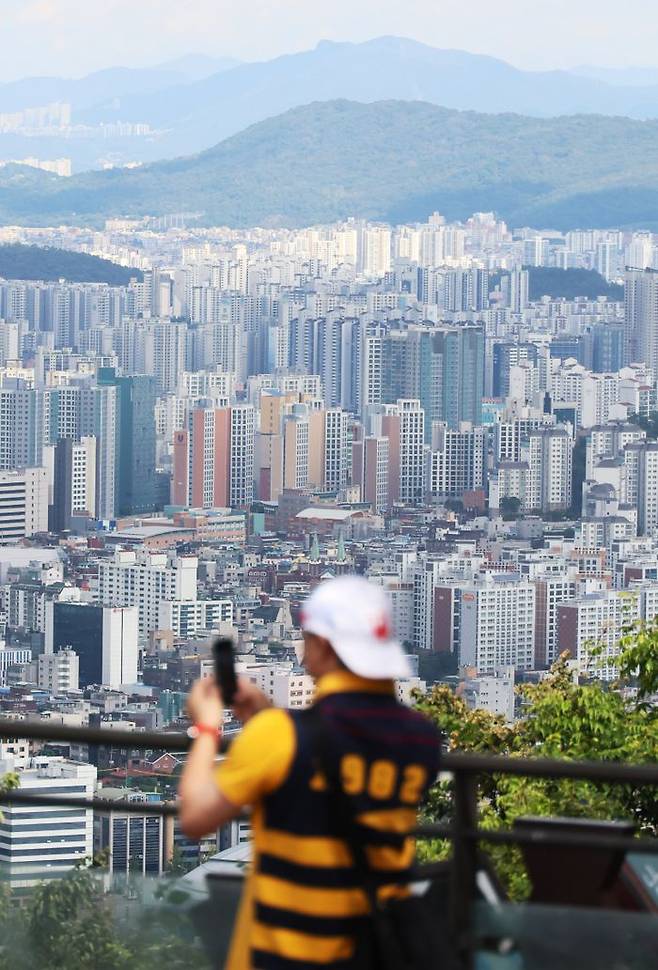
x,y
201,465
647,498
370,461
42,842
335,449
462,350
135,489
442,367
134,843
21,425
74,481
411,451
641,317
103,637
607,348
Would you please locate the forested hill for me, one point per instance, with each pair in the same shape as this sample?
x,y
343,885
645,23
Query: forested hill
x,y
392,160
47,263
566,284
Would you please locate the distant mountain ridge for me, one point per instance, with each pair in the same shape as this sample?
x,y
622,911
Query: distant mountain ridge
x,y
394,161
109,83
385,68
192,110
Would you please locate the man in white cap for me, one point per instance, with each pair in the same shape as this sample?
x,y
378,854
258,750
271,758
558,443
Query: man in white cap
x,y
306,902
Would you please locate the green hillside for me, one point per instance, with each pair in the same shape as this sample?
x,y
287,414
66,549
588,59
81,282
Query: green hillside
x,y
391,160
47,263
567,284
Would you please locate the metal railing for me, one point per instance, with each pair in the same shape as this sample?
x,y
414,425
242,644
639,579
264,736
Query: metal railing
x,y
463,830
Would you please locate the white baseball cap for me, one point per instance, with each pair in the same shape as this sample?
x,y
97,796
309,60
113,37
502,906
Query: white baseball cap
x,y
355,617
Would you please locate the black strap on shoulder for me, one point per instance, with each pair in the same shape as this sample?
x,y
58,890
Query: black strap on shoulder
x,y
326,762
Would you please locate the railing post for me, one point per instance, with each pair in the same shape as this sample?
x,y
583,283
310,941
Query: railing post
x,y
464,864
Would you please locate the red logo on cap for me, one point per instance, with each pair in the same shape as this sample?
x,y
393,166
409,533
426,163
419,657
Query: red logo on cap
x,y
382,631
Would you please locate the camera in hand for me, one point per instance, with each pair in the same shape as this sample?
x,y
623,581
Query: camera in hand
x,y
225,675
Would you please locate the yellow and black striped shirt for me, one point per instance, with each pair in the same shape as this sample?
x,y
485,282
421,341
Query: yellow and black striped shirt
x,y
305,903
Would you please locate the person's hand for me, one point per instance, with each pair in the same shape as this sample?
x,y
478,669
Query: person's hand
x,y
249,700
204,703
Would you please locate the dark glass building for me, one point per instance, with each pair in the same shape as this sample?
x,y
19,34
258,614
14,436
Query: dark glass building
x,y
81,628
442,368
607,347
135,481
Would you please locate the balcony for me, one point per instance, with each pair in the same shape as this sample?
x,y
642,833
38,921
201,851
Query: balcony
x,y
594,900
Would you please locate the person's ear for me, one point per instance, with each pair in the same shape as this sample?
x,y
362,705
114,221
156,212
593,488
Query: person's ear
x,y
328,652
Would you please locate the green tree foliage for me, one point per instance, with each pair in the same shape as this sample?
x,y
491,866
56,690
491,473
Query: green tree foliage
x,y
562,718
70,926
510,507
648,424
73,924
567,284
639,660
48,263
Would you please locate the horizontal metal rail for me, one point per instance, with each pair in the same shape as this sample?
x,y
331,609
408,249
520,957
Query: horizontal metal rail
x,y
100,805
612,771
453,762
586,840
108,737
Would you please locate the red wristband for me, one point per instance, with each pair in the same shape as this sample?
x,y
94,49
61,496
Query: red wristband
x,y
198,729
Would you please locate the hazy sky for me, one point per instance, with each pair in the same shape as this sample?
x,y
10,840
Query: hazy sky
x,y
72,37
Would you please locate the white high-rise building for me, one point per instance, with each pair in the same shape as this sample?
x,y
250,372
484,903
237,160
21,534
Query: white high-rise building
x,y
295,436
497,624
285,686
548,482
375,251
335,450
21,426
58,672
189,618
551,591
41,842
591,626
426,577
83,476
412,451
458,459
23,504
163,353
144,579
243,426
